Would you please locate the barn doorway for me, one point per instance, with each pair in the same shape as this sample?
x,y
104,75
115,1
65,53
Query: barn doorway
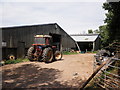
x,y
56,40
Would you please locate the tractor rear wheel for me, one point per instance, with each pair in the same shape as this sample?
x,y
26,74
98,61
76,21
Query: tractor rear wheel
x,y
58,55
30,53
47,55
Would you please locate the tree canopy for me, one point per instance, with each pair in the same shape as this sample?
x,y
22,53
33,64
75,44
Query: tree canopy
x,y
111,31
113,20
90,31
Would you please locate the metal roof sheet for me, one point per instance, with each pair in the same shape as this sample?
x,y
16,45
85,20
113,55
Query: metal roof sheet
x,y
84,38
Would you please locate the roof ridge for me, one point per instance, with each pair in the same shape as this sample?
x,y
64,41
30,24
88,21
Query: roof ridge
x,y
83,34
28,25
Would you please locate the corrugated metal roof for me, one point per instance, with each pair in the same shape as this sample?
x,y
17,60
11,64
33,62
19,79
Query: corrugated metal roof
x,y
85,38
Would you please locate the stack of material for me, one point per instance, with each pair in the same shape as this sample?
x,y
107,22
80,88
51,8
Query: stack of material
x,y
115,47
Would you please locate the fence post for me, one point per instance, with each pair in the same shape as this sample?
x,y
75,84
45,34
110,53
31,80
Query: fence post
x,y
105,75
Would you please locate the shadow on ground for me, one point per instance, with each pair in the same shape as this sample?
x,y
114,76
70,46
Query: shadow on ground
x,y
31,76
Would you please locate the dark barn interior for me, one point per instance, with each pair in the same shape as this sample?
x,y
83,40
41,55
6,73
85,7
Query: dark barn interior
x,y
85,46
56,40
19,39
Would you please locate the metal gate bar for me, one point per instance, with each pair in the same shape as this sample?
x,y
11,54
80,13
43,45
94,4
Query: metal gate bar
x,y
106,78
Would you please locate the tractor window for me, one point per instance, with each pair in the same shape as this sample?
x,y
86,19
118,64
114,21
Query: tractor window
x,y
39,40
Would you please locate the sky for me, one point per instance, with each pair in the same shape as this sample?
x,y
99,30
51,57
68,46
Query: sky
x,y
74,16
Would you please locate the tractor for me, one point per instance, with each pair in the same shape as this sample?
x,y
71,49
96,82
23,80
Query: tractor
x,y
44,49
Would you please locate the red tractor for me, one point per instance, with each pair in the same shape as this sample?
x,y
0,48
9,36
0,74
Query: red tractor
x,y
44,49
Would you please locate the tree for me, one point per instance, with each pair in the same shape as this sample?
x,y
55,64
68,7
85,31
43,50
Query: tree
x,y
90,31
113,20
110,32
113,23
96,31
104,33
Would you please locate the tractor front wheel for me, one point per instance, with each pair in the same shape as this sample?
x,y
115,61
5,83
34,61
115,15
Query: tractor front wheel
x,y
47,55
58,55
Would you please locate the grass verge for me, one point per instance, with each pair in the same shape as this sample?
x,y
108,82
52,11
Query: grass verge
x,y
15,61
69,53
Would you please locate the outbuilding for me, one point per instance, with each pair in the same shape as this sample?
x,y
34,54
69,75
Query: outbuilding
x,y
87,42
16,40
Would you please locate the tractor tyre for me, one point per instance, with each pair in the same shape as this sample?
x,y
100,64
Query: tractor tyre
x,y
30,53
47,55
11,57
58,55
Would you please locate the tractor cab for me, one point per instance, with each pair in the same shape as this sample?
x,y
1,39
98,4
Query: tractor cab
x,y
42,40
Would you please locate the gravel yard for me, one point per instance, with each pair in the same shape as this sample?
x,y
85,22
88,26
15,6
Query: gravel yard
x,y
70,72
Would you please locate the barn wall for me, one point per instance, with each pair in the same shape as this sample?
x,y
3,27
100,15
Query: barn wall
x,y
97,44
24,35
67,41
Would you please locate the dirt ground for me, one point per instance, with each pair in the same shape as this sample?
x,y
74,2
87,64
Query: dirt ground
x,y
70,72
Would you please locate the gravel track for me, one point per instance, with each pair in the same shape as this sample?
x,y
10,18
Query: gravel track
x,y
70,72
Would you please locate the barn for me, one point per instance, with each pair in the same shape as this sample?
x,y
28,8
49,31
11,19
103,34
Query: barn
x,y
16,40
87,42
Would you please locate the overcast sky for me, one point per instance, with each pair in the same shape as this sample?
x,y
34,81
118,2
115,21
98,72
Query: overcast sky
x,y
74,16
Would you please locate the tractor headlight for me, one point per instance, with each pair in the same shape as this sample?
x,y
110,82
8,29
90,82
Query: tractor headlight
x,y
39,47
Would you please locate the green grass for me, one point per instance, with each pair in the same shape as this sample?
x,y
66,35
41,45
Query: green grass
x,y
15,61
92,51
69,53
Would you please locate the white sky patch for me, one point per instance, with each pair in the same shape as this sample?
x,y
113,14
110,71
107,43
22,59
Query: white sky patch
x,y
75,17
53,0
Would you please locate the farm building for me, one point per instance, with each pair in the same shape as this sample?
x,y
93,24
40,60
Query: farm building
x,y
87,42
17,40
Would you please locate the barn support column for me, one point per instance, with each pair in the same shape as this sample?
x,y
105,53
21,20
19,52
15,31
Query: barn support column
x,y
93,46
78,47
